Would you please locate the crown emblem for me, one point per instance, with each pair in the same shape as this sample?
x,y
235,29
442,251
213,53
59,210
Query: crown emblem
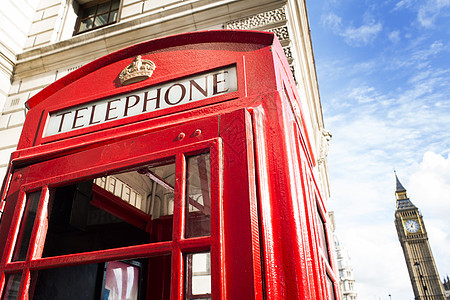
x,y
139,69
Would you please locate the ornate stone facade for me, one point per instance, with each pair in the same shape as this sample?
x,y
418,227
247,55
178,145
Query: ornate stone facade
x,y
324,146
346,277
273,21
259,20
282,32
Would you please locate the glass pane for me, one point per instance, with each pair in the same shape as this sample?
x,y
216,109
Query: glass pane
x,y
322,233
198,279
150,189
198,196
101,20
104,7
86,24
89,12
115,4
122,281
130,208
12,286
111,280
26,226
112,16
72,282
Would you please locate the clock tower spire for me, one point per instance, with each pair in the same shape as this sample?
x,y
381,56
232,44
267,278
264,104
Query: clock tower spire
x,y
416,248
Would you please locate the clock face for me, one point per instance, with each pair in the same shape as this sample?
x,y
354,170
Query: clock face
x,y
412,226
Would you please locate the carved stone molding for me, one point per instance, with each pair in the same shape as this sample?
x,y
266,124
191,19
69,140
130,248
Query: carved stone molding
x,y
293,72
282,32
262,19
324,146
288,52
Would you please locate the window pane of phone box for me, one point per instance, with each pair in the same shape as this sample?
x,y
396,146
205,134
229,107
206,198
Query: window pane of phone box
x,y
122,281
12,286
198,196
124,209
198,277
26,226
147,278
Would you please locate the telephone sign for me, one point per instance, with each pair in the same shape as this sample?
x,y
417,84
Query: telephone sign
x,y
150,99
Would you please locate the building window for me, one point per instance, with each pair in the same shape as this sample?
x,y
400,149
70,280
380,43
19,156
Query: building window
x,y
97,14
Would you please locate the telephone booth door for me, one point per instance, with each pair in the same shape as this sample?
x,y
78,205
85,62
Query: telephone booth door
x,y
140,218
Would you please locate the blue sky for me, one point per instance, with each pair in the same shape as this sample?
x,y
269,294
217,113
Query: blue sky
x,y
383,69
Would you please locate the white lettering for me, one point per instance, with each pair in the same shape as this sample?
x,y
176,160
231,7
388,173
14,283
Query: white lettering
x,y
194,88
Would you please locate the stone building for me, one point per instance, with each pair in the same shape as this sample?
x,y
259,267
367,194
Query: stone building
x,y
346,277
344,265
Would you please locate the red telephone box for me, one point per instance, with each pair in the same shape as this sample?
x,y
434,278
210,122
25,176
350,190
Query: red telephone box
x,y
179,168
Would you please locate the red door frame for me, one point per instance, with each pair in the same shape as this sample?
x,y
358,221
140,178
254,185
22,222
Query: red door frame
x,y
224,250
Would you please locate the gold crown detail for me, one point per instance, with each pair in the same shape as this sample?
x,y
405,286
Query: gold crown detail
x,y
139,69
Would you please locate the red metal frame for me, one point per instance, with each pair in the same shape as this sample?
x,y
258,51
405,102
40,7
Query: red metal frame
x,y
264,239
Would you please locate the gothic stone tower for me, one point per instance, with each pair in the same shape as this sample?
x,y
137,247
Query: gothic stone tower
x,y
416,248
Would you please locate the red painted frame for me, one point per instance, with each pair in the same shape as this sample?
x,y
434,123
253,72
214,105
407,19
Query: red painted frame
x,y
177,247
264,240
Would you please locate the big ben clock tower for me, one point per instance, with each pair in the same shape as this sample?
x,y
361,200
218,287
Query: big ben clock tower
x,y
416,248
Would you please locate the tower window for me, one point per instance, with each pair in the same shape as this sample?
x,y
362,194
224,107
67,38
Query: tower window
x,y
97,14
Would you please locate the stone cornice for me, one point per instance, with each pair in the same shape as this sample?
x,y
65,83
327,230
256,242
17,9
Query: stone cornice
x,y
156,23
7,59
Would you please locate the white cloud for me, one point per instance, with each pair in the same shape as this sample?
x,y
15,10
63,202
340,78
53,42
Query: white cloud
x,y
388,111
403,3
365,216
364,94
353,36
363,35
429,189
430,182
424,54
427,10
332,21
418,54
391,278
430,10
370,139
394,36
